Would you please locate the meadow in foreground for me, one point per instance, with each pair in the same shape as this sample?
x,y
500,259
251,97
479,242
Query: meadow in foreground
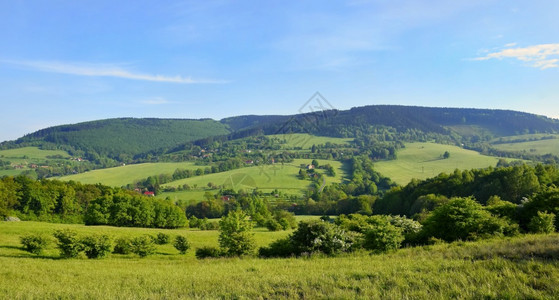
x,y
521,267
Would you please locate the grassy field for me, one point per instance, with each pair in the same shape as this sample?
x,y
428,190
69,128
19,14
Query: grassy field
x,y
266,178
305,141
123,175
424,160
519,268
26,156
540,147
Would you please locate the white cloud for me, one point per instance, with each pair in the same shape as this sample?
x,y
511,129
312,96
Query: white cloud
x,y
104,70
156,101
542,56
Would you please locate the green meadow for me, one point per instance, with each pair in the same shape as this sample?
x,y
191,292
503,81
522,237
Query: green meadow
x,y
539,147
524,267
123,175
28,155
305,141
283,177
424,160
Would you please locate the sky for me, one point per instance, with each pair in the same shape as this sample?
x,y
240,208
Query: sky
x,y
64,62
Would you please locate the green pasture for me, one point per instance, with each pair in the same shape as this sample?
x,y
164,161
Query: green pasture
x,y
26,156
424,160
524,267
305,141
123,175
30,154
283,177
540,147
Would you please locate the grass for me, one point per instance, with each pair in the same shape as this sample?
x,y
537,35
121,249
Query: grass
x,y
124,175
517,268
267,178
424,160
305,141
540,147
26,156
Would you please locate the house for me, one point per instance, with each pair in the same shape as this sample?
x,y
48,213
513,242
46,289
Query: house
x,y
250,162
226,197
149,193
310,167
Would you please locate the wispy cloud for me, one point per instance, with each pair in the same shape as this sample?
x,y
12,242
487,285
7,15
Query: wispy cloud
x,y
542,56
156,101
104,70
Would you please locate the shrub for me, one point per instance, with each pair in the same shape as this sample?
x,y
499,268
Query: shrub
x,y
382,236
235,236
123,246
162,238
462,219
320,236
278,248
34,243
68,243
208,252
96,246
143,245
273,225
181,243
542,223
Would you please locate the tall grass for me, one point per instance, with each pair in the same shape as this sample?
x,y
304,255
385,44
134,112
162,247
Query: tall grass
x,y
522,267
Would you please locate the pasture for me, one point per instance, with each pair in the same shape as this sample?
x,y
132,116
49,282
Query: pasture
x,y
539,147
283,177
305,141
26,156
519,268
123,175
424,160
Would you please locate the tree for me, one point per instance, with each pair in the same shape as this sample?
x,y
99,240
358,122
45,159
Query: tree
x,y
235,234
181,243
446,155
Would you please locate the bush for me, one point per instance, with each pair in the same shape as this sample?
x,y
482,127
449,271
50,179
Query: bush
x,y
273,225
181,244
96,246
382,236
123,246
34,243
320,236
235,236
162,239
278,248
463,219
142,245
68,242
208,252
543,222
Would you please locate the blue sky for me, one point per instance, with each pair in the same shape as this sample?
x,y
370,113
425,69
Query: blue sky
x,y
71,61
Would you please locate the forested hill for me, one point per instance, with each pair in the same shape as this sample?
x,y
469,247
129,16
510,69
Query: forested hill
x,y
426,119
124,137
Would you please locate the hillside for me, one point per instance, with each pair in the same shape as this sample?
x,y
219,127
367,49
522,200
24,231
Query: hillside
x,y
106,142
122,139
343,123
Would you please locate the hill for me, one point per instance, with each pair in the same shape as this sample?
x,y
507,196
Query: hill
x,y
424,160
121,139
